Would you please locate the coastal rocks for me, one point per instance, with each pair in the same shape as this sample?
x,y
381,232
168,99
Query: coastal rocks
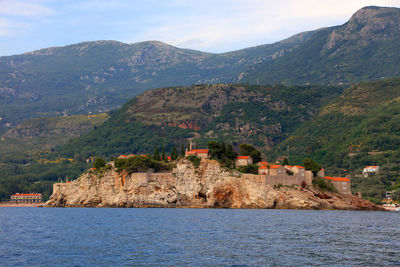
x,y
208,186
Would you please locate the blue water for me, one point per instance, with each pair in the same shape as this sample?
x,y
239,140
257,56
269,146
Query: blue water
x,y
197,237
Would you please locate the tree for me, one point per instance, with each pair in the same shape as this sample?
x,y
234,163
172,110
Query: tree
x,y
216,150
98,163
182,150
174,154
222,153
249,150
156,154
163,156
285,162
311,165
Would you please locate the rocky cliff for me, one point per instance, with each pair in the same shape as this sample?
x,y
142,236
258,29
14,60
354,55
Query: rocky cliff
x,y
208,186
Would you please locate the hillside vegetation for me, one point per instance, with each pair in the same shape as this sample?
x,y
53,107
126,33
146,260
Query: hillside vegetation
x,y
360,128
260,115
26,161
100,76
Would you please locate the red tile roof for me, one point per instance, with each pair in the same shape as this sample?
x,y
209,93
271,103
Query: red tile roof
x,y
299,167
243,157
262,163
198,151
289,166
275,166
340,179
123,156
263,167
24,195
371,167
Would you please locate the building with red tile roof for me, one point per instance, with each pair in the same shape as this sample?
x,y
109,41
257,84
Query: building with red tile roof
x,y
27,198
243,161
200,153
342,184
263,170
368,170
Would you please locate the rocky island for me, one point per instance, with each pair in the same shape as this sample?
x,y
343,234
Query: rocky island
x,y
207,186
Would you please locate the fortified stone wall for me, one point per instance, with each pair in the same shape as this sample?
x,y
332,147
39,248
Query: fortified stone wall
x,y
282,179
258,178
285,179
166,178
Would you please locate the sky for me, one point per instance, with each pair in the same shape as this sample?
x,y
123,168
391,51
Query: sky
x,y
206,25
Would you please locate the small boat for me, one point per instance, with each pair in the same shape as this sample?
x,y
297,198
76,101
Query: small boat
x,y
390,207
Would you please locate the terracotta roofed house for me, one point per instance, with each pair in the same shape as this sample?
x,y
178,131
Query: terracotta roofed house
x,y
263,163
342,184
299,170
27,198
263,170
243,161
370,170
200,153
276,169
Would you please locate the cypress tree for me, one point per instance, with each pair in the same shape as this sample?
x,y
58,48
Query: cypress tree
x,y
182,150
163,156
174,154
156,154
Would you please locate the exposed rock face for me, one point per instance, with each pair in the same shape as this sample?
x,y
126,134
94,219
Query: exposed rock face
x,y
366,26
206,187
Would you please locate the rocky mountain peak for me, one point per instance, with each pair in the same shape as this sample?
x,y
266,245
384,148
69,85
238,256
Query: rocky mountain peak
x,y
367,25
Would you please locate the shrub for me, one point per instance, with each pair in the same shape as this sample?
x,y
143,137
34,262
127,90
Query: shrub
x,y
195,160
98,163
140,164
324,185
249,169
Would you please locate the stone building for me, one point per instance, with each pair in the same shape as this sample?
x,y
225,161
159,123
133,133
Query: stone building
x,y
200,153
341,184
276,170
243,161
27,198
263,170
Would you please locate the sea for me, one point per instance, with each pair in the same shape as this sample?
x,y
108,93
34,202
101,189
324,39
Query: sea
x,y
197,237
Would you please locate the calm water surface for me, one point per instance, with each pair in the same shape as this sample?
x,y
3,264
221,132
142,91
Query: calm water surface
x,y
197,237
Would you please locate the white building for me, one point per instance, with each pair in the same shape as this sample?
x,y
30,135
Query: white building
x,y
370,170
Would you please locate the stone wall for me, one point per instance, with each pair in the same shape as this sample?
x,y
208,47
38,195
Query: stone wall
x,y
283,179
342,187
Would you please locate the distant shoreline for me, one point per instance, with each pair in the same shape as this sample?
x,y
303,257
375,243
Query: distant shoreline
x,y
10,204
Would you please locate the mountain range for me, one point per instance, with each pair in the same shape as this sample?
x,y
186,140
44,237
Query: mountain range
x,y
95,77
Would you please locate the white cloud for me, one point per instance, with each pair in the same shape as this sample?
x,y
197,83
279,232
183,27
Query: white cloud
x,y
23,8
220,25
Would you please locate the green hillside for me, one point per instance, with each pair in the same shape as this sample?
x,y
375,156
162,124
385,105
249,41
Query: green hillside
x,y
261,115
360,128
41,134
27,162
